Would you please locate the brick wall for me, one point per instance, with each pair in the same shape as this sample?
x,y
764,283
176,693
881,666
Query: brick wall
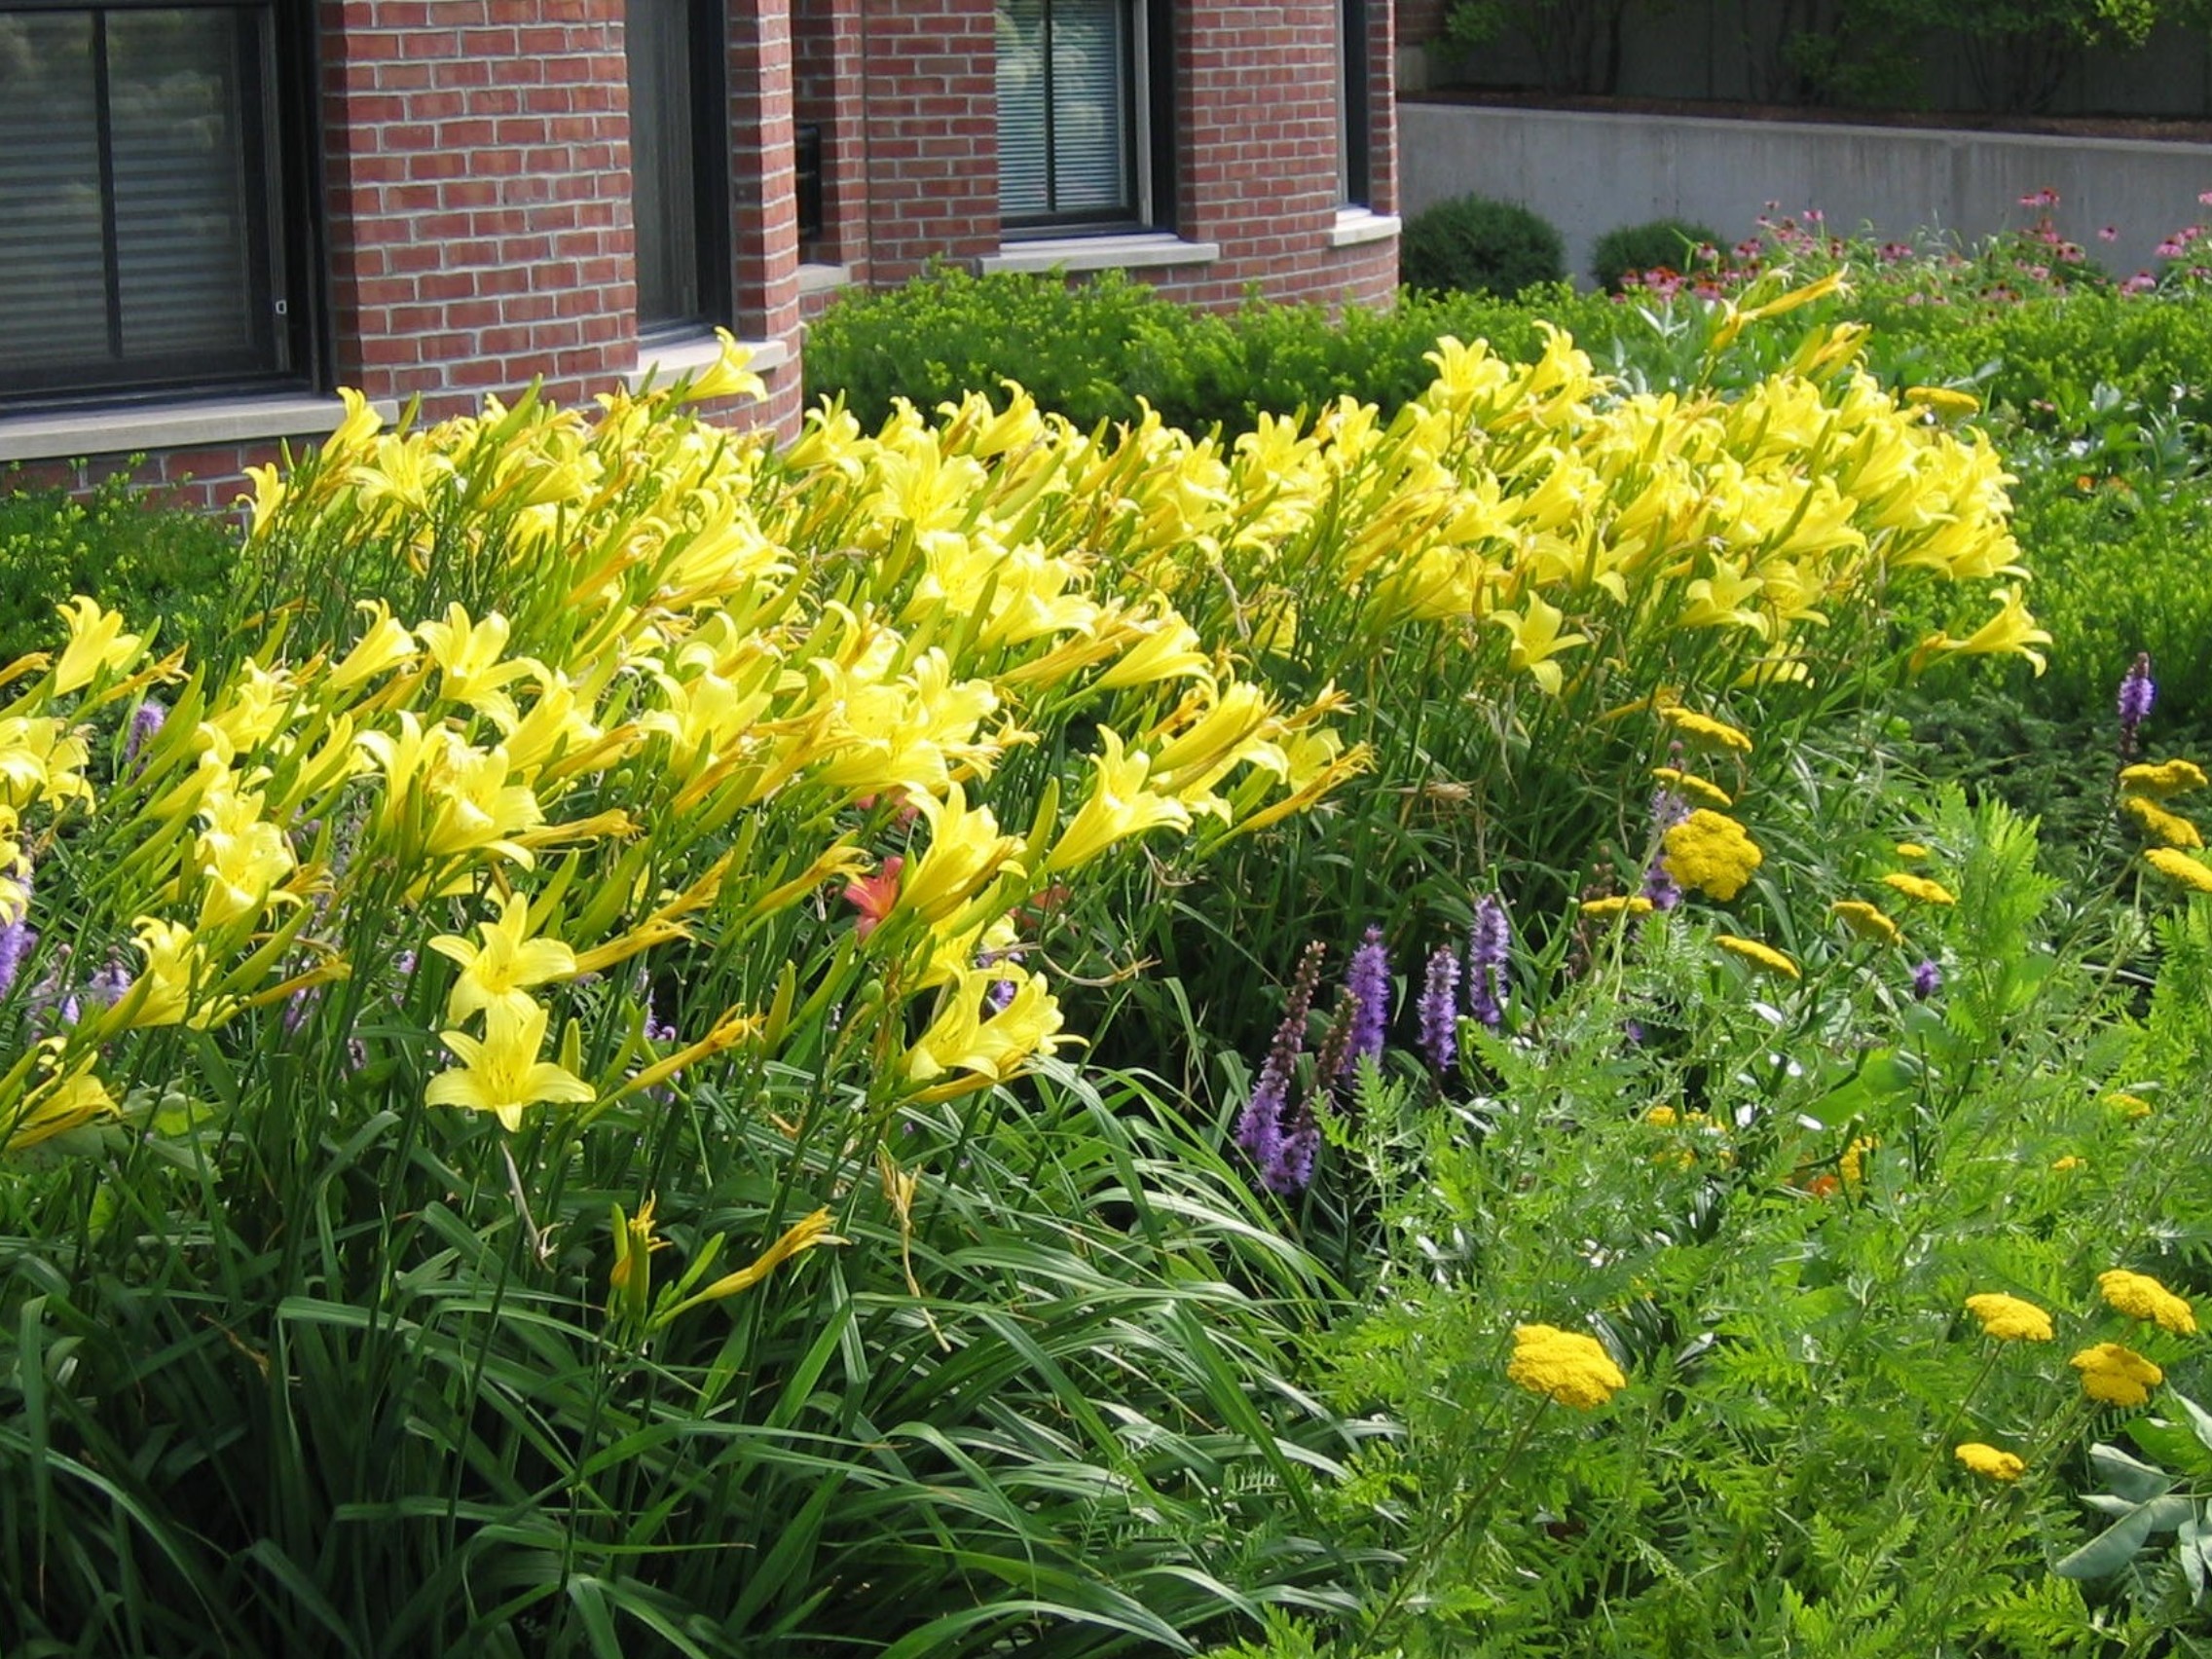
x,y
931,68
477,189
828,90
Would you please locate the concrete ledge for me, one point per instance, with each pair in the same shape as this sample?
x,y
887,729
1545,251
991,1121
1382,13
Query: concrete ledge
x,y
666,363
1357,225
824,279
1097,253
198,424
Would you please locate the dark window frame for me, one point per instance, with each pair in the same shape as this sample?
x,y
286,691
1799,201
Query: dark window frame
x,y
1151,114
280,148
1355,105
707,62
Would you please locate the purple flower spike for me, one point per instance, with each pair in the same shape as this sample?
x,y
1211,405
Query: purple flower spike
x,y
1440,1008
1659,887
1260,1126
2137,692
17,940
146,722
1368,981
1487,954
1927,979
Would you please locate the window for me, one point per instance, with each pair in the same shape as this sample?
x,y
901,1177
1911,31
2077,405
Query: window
x,y
1354,110
679,164
1081,86
153,198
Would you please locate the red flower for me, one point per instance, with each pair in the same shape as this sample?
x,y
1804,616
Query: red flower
x,y
875,895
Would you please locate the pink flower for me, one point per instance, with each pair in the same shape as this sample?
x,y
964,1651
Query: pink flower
x,y
1894,251
2044,197
2171,249
2111,233
2142,282
2206,197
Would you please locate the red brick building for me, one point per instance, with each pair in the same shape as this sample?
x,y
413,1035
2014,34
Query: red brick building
x,y
213,214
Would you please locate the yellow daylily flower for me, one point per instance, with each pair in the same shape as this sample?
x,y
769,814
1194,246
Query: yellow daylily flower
x,y
501,1072
1118,807
1534,631
471,670
96,641
501,970
2012,632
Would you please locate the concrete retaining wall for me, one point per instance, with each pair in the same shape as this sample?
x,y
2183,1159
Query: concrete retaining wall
x,y
1589,173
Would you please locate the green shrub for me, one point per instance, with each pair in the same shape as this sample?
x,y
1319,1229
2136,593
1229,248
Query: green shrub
x,y
1479,245
1092,350
122,545
1669,244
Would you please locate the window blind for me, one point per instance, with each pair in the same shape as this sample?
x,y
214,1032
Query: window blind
x,y
133,197
1066,133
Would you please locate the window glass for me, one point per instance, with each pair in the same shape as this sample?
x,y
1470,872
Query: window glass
x,y
134,243
679,163
1067,134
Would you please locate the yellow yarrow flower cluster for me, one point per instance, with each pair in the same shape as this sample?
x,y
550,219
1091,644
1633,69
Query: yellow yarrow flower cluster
x,y
1760,955
2009,1319
2180,869
2116,1376
2144,788
2142,1297
1711,853
1866,920
1566,1367
1925,890
1988,1460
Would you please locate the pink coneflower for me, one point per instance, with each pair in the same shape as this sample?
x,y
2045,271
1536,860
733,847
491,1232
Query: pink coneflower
x,y
2111,233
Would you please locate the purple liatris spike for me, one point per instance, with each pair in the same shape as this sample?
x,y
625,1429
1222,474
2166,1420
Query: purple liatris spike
x,y
1440,1008
1292,1168
2137,692
146,722
1289,1167
1368,981
1260,1126
108,986
1659,887
1927,979
16,939
1489,952
1668,809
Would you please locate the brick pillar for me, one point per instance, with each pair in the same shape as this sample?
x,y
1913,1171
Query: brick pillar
x,y
830,91
1383,106
1256,103
763,168
477,175
933,140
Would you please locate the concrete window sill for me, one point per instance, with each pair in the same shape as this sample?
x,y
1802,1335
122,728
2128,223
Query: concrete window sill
x,y
824,279
194,424
671,360
1357,225
1098,254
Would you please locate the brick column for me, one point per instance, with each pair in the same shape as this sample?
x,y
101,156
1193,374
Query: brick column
x,y
933,139
828,91
477,175
763,170
1383,106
